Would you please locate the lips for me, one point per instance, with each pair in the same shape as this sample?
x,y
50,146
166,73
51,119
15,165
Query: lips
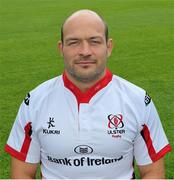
x,y
86,62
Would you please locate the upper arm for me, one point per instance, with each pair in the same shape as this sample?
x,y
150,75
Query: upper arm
x,y
150,144
23,144
153,171
22,170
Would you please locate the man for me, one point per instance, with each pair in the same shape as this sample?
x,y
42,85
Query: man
x,y
87,123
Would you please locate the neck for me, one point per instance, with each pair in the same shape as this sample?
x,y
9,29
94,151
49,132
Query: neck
x,y
84,86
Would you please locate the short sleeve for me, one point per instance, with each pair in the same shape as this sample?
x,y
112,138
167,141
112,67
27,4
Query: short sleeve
x,y
151,143
22,142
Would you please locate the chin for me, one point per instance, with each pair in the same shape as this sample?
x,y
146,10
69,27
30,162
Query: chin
x,y
88,76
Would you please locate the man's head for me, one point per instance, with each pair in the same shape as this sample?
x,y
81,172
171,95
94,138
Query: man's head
x,y
81,11
85,46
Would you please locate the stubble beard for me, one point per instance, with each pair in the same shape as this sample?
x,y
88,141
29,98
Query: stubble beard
x,y
83,77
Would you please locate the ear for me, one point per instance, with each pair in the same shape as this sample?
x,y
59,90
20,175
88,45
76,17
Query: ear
x,y
109,47
60,47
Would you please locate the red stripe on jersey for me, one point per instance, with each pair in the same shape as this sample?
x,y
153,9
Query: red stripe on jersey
x,y
146,136
15,153
25,146
162,152
84,97
151,150
27,140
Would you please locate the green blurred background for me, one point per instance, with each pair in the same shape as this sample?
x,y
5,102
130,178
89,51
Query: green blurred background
x,y
143,34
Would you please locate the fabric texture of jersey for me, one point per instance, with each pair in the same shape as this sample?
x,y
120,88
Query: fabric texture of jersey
x,y
96,134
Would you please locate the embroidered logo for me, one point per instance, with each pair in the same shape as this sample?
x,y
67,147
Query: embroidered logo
x,y
83,149
147,99
115,125
50,122
27,99
51,127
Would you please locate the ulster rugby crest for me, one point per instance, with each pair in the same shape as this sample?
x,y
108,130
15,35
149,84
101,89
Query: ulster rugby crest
x,y
115,125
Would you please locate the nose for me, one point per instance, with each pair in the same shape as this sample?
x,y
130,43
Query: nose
x,y
85,49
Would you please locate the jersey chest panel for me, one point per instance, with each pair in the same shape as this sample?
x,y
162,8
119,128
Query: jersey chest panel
x,y
99,128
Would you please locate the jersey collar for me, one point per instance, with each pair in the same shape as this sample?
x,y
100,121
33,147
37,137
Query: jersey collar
x,y
84,97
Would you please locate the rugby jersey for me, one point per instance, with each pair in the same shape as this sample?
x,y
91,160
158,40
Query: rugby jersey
x,y
96,134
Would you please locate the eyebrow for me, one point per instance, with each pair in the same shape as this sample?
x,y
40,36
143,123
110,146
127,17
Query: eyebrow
x,y
75,39
71,39
96,37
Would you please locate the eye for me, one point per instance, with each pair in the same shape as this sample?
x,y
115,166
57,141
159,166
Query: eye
x,y
72,43
95,41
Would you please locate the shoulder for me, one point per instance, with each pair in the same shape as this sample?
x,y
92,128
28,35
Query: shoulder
x,y
47,86
127,88
133,96
42,91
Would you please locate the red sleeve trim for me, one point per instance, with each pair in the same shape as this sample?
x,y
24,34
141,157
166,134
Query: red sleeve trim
x,y
147,138
14,153
162,152
151,150
25,146
27,140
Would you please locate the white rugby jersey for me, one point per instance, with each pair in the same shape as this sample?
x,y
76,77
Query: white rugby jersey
x,y
96,134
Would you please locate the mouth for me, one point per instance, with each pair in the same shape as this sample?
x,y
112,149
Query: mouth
x,y
85,64
85,61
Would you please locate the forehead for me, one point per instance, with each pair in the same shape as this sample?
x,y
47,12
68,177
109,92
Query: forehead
x,y
84,26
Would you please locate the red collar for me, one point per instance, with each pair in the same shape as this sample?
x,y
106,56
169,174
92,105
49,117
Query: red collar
x,y
84,97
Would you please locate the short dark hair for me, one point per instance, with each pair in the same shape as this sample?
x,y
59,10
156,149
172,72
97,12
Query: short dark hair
x,y
105,26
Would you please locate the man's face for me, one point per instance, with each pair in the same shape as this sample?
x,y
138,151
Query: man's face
x,y
84,48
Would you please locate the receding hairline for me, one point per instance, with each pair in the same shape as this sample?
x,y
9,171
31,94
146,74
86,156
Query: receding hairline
x,y
84,12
